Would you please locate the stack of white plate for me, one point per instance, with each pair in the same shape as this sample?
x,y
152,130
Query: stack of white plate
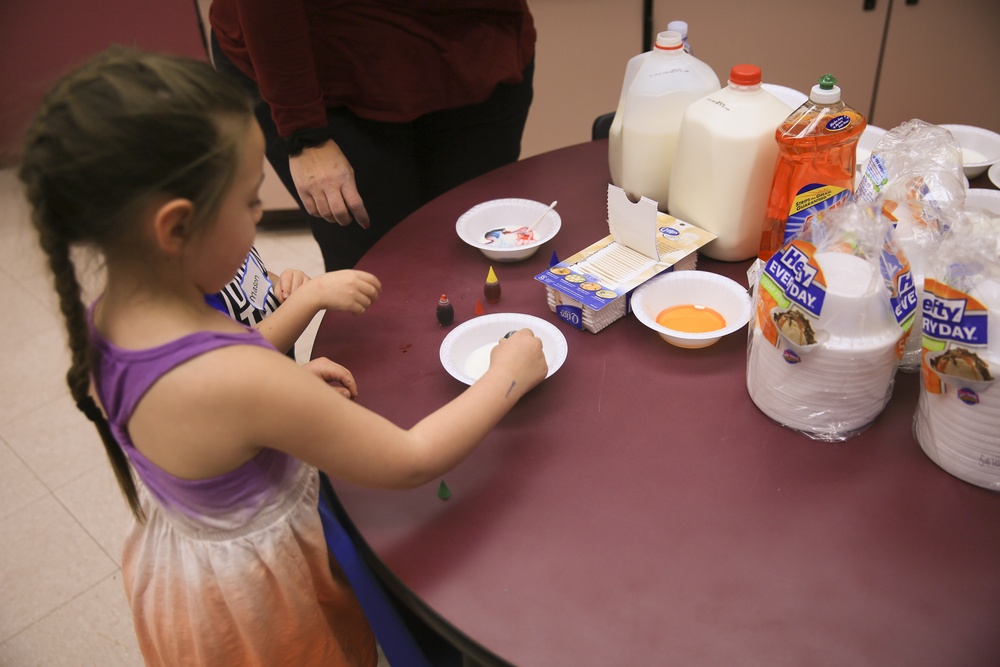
x,y
959,429
831,394
963,438
834,388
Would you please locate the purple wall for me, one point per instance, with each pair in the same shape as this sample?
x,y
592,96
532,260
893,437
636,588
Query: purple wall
x,y
40,39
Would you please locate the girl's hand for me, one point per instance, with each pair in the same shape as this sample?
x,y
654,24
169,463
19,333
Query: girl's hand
x,y
335,375
349,290
289,281
520,355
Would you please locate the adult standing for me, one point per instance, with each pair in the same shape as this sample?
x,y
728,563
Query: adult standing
x,y
372,109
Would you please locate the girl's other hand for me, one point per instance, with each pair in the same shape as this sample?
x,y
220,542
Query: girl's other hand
x,y
335,375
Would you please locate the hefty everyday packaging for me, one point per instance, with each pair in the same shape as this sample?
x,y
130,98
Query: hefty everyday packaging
x,y
592,289
957,421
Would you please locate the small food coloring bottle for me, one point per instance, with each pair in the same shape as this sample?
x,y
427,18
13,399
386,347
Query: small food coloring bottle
x,y
491,290
445,311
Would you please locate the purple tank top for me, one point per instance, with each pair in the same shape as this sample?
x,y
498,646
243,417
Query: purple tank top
x,y
122,378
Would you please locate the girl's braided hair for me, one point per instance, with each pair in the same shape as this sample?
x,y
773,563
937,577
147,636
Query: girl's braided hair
x,y
125,127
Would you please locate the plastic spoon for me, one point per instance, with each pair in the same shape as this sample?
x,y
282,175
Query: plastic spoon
x,y
531,227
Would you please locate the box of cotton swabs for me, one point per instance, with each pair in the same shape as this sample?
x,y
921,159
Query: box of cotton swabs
x,y
591,289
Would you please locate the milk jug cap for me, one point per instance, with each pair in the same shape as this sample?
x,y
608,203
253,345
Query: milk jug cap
x,y
679,26
744,75
669,40
826,91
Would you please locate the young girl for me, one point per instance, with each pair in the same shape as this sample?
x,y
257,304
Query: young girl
x,y
214,435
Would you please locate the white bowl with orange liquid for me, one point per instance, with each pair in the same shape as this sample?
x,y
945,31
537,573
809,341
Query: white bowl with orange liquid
x,y
691,309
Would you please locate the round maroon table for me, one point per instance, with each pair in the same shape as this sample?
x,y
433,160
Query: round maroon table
x,y
637,508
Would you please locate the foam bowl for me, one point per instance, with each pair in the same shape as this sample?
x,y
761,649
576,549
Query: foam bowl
x,y
983,198
980,147
698,288
473,225
994,174
856,309
465,351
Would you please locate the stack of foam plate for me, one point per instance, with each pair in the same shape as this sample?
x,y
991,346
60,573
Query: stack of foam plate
x,y
962,437
834,387
959,429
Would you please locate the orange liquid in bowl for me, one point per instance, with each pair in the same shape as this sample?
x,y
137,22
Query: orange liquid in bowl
x,y
691,318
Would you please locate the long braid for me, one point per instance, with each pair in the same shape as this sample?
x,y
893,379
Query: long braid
x,y
82,355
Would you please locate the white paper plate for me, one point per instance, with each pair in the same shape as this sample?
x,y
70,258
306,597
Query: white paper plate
x,y
467,343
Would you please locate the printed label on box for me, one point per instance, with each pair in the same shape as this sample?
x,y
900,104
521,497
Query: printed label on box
x,y
607,270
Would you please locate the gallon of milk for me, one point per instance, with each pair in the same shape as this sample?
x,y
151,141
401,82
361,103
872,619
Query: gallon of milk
x,y
658,87
724,163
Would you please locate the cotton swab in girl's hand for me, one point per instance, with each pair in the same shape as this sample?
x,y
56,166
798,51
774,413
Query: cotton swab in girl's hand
x,y
531,227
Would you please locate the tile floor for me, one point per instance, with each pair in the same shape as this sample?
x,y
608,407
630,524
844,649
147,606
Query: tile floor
x,y
62,518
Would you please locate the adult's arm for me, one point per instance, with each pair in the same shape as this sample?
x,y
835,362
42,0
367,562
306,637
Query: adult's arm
x,y
276,35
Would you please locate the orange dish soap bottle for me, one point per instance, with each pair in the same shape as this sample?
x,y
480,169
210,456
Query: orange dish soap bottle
x,y
815,168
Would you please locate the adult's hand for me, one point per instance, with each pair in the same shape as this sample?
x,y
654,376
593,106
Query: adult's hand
x,y
325,183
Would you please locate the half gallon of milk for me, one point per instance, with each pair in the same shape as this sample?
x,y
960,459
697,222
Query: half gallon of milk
x,y
724,163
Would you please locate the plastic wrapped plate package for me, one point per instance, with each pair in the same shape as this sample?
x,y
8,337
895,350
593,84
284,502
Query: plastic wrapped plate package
x,y
831,312
957,421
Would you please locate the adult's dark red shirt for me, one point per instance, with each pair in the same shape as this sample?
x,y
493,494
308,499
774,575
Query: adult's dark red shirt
x,y
385,60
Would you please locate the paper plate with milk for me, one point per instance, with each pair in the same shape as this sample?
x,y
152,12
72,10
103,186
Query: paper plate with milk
x,y
465,351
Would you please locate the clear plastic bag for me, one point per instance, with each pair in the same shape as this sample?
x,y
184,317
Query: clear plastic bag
x,y
831,310
915,174
957,421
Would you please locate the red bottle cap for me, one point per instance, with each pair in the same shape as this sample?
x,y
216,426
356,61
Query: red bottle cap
x,y
445,311
745,75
